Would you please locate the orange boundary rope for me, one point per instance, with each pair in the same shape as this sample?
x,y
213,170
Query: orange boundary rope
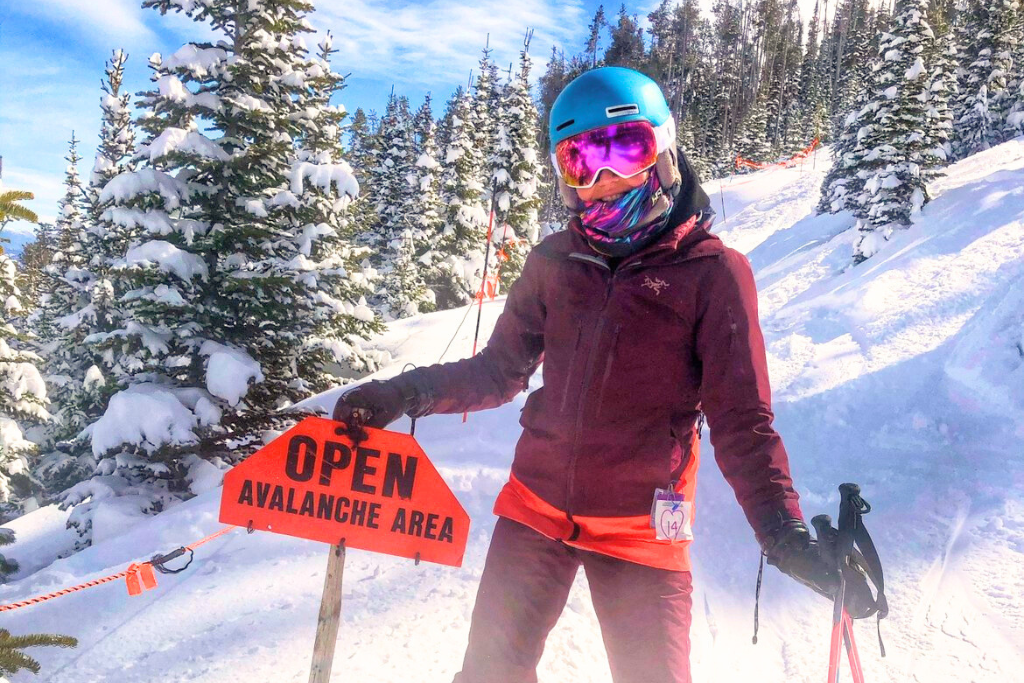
x,y
106,579
792,161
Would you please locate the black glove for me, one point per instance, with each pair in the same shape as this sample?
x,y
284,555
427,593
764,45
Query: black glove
x,y
790,547
378,403
374,404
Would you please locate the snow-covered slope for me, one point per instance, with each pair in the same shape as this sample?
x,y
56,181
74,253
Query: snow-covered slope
x,y
905,374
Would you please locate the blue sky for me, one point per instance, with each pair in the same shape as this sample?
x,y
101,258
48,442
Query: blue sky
x,y
53,53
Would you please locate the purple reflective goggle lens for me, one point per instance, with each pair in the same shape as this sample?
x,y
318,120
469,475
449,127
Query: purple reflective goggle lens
x,y
626,149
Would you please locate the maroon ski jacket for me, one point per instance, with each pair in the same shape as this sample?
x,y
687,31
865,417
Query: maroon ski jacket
x,y
631,356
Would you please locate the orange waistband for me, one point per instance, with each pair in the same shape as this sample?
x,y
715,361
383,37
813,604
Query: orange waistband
x,y
625,538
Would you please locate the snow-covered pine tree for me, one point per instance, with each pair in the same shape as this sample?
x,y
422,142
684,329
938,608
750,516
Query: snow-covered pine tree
x,y
221,294
813,103
363,150
896,150
321,191
7,566
986,99
399,242
942,93
518,178
753,144
459,254
851,75
22,397
426,180
1015,83
68,288
485,112
141,442
35,256
92,371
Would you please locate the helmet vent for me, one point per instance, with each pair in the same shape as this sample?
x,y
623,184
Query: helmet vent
x,y
565,125
622,110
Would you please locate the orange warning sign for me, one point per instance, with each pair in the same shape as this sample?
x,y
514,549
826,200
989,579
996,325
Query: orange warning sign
x,y
381,494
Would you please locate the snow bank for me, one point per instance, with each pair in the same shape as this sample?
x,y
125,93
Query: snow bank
x,y
894,373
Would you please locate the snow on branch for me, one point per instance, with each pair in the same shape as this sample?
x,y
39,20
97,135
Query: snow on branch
x,y
323,176
229,371
179,140
143,181
144,415
168,258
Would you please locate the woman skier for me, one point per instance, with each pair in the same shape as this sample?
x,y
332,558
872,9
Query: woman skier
x,y
644,320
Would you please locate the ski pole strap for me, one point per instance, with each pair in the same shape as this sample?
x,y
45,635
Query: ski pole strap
x,y
757,598
852,532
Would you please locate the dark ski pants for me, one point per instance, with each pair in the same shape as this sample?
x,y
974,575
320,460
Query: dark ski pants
x,y
644,612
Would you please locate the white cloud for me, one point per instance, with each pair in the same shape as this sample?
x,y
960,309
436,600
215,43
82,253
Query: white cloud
x,y
437,42
93,20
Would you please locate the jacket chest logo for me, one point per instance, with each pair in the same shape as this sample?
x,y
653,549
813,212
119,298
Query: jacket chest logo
x,y
657,284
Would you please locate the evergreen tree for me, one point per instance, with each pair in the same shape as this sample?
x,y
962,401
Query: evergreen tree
x,y
227,288
35,256
68,285
485,112
322,188
627,43
942,93
457,265
426,181
1015,82
399,239
599,23
90,372
987,99
363,150
518,179
7,566
12,660
753,144
895,150
22,397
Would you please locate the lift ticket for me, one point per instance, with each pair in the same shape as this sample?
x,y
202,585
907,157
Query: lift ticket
x,y
671,516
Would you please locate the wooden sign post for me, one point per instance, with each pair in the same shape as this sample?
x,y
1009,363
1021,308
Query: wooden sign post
x,y
382,495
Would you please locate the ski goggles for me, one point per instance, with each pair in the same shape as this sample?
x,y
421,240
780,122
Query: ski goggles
x,y
625,149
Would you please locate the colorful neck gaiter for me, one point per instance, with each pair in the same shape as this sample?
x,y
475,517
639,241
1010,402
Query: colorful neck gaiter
x,y
613,228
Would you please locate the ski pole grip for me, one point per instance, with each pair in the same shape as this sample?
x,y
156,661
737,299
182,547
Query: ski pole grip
x,y
822,526
848,491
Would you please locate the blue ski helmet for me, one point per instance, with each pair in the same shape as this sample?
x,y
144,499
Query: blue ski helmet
x,y
607,96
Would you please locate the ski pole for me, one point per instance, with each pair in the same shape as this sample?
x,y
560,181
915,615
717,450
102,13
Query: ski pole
x,y
487,258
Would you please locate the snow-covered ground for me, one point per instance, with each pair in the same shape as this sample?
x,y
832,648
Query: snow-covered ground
x,y
905,374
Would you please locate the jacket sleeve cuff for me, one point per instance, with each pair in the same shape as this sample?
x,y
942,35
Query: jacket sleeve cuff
x,y
417,392
774,519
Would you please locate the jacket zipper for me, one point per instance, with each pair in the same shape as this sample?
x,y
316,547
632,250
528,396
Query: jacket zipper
x,y
572,364
607,370
587,372
570,479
